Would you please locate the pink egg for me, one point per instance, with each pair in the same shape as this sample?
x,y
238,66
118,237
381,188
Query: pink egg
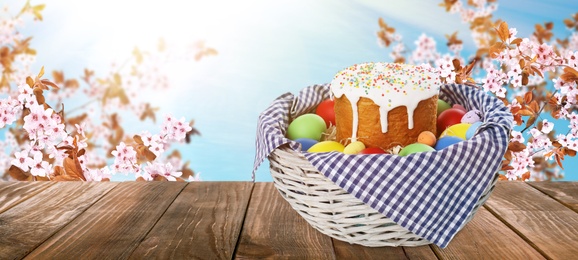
x,y
458,106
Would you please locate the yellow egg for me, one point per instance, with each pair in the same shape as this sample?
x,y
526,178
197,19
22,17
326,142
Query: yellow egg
x,y
326,146
457,130
427,137
354,148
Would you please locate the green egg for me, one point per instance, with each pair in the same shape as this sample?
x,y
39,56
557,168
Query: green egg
x,y
309,126
442,106
415,148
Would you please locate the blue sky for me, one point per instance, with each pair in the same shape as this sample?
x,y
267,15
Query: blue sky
x,y
266,48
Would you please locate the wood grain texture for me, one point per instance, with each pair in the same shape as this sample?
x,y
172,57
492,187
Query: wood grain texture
x,y
548,225
14,192
274,230
204,222
26,225
564,192
114,226
486,237
344,250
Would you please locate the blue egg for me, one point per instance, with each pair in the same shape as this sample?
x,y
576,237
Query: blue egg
x,y
446,141
306,143
472,130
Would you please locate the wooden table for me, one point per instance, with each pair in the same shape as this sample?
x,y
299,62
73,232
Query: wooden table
x,y
244,220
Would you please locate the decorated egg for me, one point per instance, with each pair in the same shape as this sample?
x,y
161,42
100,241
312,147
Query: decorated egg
x,y
415,148
372,150
472,130
472,116
354,148
444,142
448,118
460,107
427,137
309,126
442,106
457,130
306,143
326,146
326,111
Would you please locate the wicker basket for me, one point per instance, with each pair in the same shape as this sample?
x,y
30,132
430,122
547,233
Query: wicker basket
x,y
333,211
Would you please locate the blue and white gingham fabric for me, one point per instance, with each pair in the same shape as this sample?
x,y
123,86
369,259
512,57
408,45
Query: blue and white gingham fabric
x,y
432,193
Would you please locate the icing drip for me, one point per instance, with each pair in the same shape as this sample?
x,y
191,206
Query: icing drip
x,y
389,85
355,119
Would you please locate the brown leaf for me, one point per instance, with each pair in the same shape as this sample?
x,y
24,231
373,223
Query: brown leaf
x,y
559,160
496,49
159,178
526,112
508,156
65,177
39,96
525,79
534,106
72,167
503,31
516,41
30,82
570,152
149,155
528,97
569,75
49,83
531,121
516,146
525,176
137,139
17,173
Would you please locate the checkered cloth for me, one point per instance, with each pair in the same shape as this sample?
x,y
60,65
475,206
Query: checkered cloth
x,y
431,194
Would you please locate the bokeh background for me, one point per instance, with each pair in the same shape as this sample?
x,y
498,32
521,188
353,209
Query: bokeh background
x,y
265,48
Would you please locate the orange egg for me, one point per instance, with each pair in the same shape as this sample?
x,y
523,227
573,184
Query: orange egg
x,y
427,137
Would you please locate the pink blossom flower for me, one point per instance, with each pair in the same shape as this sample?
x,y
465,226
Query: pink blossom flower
x,y
97,174
125,159
26,93
547,127
544,53
22,160
517,136
165,170
572,59
39,167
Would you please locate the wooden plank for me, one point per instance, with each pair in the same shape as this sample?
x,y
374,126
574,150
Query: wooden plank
x,y
486,237
344,250
564,192
273,229
14,192
546,224
114,226
26,225
204,222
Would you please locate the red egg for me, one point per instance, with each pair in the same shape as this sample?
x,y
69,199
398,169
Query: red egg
x,y
448,118
326,111
372,150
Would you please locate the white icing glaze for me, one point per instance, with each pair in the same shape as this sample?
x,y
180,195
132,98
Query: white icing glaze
x,y
388,85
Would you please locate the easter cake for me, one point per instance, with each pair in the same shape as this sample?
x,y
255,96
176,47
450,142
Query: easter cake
x,y
385,104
